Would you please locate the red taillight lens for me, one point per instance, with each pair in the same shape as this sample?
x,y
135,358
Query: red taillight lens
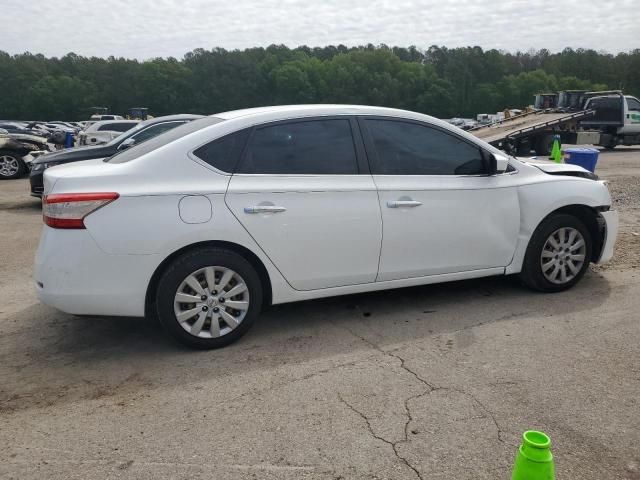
x,y
68,210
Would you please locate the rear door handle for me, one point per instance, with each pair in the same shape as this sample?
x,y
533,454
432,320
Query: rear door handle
x,y
264,209
403,203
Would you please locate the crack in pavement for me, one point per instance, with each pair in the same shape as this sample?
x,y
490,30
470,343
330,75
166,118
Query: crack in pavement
x,y
382,439
430,388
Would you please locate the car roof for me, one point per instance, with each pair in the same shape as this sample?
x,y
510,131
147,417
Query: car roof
x,y
314,109
254,116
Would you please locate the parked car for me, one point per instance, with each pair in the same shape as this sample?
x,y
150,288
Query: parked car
x,y
207,223
24,129
17,151
141,132
97,117
104,131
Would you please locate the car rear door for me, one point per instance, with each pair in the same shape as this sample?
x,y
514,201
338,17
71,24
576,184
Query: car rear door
x,y
441,213
302,190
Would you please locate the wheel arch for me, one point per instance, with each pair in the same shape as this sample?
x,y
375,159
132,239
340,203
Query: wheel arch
x,y
241,250
591,219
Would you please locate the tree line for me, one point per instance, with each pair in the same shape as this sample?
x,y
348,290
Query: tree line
x,y
440,81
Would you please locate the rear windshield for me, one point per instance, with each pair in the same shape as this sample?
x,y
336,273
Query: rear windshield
x,y
162,139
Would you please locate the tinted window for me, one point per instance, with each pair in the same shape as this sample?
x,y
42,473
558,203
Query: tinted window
x,y
162,139
223,153
154,130
403,148
318,147
116,127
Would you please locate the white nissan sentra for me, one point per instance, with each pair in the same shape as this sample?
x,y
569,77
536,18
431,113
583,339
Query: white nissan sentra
x,y
206,224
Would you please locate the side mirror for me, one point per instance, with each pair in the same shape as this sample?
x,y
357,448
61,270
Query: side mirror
x,y
497,163
129,142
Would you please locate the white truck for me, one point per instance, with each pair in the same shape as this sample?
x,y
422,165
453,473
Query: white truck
x,y
617,119
606,118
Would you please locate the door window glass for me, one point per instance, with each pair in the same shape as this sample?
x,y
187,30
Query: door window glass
x,y
321,147
403,148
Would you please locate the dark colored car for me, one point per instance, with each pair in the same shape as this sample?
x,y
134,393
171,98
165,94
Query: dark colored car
x,y
141,132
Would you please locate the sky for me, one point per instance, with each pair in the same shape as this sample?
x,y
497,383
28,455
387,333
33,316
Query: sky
x,y
145,29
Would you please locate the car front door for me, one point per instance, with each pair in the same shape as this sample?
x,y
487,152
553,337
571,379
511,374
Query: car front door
x,y
303,192
441,212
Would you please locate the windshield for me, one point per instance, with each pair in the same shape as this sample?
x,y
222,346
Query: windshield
x,y
162,139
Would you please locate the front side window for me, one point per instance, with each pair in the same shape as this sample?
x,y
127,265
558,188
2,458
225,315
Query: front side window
x,y
154,130
633,104
312,147
404,148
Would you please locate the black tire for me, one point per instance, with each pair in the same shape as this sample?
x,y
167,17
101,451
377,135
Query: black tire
x,y
523,148
543,145
185,265
22,168
610,147
532,275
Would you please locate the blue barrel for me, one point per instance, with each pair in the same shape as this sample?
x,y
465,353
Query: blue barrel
x,y
68,140
584,157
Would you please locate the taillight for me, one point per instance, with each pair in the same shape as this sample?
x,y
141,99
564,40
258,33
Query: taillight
x,y
68,210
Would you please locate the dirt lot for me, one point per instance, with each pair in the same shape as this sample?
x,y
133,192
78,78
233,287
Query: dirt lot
x,y
429,382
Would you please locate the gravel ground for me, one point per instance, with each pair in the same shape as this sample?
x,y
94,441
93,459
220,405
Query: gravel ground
x,y
429,382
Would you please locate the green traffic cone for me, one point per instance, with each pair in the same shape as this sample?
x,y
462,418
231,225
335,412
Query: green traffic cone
x,y
556,152
534,460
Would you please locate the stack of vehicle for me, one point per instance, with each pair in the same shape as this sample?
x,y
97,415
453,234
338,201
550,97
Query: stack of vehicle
x,y
140,132
23,141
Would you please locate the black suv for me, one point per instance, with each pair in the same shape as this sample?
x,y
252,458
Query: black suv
x,y
141,132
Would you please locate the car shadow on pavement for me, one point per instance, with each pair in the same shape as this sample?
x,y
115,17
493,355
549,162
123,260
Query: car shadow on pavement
x,y
30,203
51,357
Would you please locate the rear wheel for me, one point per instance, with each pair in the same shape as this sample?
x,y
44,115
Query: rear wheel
x,y
558,254
523,148
11,165
544,145
208,298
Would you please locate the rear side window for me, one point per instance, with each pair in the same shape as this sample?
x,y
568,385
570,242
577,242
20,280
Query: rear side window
x,y
313,147
223,153
403,148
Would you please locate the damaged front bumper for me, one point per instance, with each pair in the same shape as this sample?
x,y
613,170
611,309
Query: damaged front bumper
x,y
609,228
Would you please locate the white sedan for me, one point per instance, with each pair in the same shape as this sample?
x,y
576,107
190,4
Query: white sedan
x,y
104,131
207,223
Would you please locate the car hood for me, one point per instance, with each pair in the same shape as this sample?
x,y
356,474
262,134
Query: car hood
x,y
78,154
552,167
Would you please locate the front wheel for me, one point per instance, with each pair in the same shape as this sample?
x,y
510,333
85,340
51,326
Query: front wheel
x,y
558,254
11,165
208,298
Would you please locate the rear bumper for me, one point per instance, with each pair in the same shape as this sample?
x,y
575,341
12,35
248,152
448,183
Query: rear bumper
x,y
74,275
609,236
36,180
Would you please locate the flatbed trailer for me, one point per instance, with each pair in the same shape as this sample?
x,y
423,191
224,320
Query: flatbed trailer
x,y
535,131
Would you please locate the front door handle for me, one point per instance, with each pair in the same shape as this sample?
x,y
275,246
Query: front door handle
x,y
403,203
264,209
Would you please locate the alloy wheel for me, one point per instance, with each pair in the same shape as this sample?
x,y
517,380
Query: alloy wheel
x,y
211,302
563,255
9,165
